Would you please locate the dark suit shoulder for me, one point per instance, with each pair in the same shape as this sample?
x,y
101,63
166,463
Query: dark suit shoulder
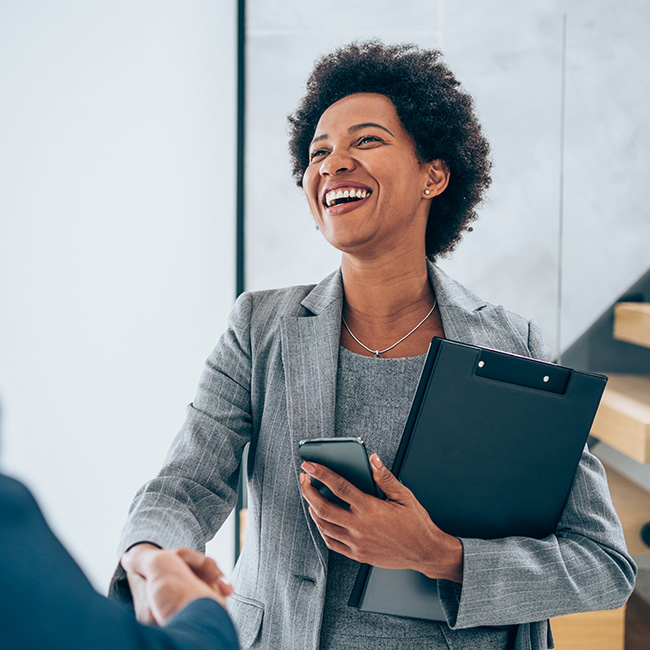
x,y
14,495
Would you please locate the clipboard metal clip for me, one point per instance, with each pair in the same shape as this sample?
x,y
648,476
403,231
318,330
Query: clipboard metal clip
x,y
522,371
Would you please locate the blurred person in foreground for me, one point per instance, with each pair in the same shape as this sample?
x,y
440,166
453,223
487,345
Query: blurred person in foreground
x,y
47,603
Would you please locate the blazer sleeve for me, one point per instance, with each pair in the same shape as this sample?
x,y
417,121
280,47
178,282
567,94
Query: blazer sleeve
x,y
187,502
583,566
47,602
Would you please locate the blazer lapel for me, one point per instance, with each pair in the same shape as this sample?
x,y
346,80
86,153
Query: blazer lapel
x,y
460,309
310,347
469,319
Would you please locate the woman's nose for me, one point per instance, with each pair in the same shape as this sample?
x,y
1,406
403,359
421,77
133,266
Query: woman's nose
x,y
336,163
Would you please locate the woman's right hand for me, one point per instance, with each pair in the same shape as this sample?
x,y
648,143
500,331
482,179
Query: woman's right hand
x,y
137,585
164,581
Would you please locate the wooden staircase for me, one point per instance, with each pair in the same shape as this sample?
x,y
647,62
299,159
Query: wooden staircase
x,y
622,422
632,323
632,503
623,419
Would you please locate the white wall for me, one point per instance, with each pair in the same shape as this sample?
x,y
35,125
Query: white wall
x,y
117,124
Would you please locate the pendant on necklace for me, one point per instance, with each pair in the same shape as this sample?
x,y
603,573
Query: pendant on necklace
x,y
378,354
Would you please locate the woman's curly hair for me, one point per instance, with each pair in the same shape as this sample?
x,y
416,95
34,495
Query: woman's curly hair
x,y
434,111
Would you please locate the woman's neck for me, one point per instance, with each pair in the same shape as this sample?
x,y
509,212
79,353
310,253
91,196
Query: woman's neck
x,y
385,302
379,291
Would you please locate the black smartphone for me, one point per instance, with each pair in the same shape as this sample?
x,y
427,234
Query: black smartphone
x,y
345,456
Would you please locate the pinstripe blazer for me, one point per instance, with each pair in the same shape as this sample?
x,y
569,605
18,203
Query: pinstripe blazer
x,y
271,382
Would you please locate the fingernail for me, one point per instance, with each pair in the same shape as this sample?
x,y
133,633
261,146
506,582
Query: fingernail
x,y
376,461
227,587
301,476
308,467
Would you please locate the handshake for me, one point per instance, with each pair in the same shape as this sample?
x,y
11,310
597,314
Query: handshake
x,y
46,601
163,582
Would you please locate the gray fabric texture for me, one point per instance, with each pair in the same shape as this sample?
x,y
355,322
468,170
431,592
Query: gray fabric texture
x,y
373,399
270,382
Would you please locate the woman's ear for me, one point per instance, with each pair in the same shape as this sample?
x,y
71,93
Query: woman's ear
x,y
437,178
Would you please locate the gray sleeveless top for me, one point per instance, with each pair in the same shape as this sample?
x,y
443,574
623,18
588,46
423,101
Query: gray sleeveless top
x,y
373,399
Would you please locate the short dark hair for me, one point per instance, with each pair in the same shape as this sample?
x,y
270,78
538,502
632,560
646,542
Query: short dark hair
x,y
436,113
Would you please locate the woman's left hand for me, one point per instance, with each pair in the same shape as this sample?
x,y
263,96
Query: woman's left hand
x,y
395,533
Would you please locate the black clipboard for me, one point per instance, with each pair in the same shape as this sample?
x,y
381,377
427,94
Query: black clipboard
x,y
490,450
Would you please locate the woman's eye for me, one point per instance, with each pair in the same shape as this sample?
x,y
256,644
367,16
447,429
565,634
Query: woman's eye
x,y
368,139
315,154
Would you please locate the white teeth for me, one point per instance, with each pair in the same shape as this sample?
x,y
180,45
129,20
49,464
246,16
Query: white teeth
x,y
351,192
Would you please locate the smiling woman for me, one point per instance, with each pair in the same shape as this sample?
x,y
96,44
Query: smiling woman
x,y
431,108
393,164
376,158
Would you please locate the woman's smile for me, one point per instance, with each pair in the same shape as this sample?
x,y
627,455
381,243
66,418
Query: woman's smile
x,y
344,196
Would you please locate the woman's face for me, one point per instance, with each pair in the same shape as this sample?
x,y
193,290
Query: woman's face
x,y
364,183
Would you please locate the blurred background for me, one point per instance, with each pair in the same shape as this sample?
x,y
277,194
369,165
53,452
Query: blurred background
x,y
118,211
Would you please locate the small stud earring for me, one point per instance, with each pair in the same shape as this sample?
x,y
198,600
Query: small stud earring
x,y
427,192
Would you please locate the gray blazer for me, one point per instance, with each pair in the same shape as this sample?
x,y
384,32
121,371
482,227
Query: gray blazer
x,y
271,382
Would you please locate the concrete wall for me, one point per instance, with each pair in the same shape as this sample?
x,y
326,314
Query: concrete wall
x,y
606,245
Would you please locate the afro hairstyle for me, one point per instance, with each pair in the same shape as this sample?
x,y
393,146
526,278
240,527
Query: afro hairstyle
x,y
433,109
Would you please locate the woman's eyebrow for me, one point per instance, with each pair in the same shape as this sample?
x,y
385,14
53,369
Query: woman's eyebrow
x,y
353,129
365,125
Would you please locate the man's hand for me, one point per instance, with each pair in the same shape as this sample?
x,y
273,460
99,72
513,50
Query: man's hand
x,y
165,581
395,533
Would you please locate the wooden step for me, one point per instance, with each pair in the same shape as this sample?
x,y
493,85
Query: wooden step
x,y
594,630
632,322
632,504
623,418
